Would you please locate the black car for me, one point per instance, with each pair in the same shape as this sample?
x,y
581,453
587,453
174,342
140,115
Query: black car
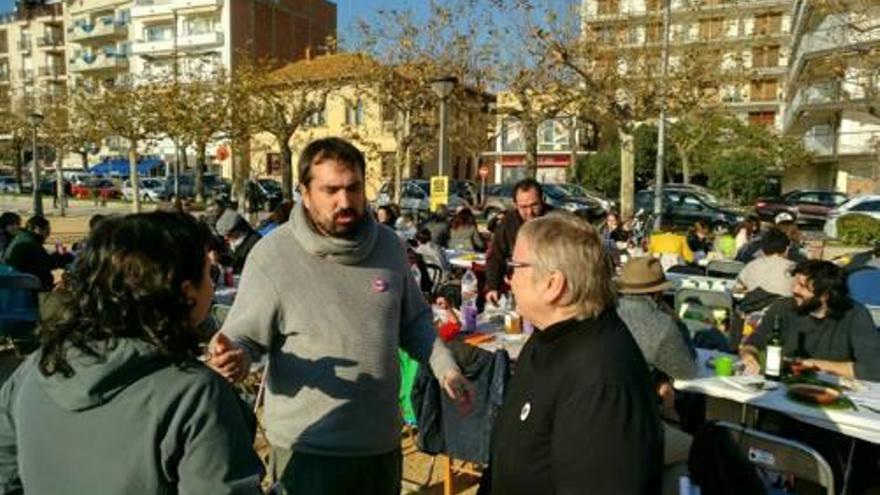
x,y
684,208
215,187
803,206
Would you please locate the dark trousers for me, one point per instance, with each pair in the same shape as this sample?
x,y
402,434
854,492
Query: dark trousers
x,y
298,473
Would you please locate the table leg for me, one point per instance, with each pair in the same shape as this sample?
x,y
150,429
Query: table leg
x,y
848,469
447,475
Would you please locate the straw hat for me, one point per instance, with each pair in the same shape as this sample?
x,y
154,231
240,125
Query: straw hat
x,y
642,276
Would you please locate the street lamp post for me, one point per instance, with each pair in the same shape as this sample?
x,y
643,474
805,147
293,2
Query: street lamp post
x,y
661,125
35,119
443,87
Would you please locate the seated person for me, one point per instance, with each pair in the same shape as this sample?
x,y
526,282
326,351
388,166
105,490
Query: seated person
x,y
796,250
240,236
725,243
26,252
821,324
771,272
698,239
431,252
464,234
667,245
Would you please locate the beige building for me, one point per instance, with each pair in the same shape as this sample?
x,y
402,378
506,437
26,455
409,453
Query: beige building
x,y
832,94
32,61
753,31
351,112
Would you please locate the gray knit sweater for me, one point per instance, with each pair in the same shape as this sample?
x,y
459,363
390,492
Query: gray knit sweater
x,y
331,313
665,344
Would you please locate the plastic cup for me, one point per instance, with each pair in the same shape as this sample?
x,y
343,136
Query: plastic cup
x,y
512,323
723,366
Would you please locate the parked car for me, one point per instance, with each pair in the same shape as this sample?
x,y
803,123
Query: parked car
x,y
103,188
684,208
865,205
77,177
582,192
8,185
416,196
215,187
268,193
559,198
150,189
806,207
499,197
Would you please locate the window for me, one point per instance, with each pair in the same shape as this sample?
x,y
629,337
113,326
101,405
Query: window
x,y
807,197
199,25
159,32
273,163
869,206
765,56
712,29
317,119
354,113
768,23
764,90
766,119
833,199
4,41
608,7
653,32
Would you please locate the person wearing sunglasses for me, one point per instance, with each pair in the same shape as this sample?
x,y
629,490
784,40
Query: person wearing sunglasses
x,y
528,200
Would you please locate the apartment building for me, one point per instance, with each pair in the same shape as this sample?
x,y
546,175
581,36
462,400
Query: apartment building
x,y
832,93
352,110
32,61
555,139
753,31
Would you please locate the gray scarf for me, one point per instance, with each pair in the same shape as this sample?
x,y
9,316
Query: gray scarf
x,y
349,250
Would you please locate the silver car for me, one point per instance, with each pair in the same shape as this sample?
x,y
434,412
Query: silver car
x,y
868,204
150,189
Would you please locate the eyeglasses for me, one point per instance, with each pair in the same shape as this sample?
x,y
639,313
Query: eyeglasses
x,y
513,265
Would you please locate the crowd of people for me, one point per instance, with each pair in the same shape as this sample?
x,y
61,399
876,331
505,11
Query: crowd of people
x,y
329,292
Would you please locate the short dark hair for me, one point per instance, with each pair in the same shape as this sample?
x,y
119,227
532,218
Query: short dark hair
x,y
827,279
774,241
9,218
331,148
36,222
423,236
527,184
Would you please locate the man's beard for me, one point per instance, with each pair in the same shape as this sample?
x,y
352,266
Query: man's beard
x,y
331,228
807,306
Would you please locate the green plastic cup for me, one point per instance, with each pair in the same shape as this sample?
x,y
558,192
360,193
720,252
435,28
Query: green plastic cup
x,y
724,366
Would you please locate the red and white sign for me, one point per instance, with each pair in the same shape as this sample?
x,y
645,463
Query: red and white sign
x,y
484,171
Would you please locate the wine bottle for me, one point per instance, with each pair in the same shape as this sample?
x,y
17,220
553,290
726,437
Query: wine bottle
x,y
773,359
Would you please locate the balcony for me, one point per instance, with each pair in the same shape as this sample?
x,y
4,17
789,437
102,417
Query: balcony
x,y
831,40
52,72
4,77
51,42
24,45
166,8
101,61
101,27
828,144
26,75
193,41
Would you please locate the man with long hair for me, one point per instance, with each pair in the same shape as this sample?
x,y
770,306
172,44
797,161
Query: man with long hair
x,y
115,400
821,325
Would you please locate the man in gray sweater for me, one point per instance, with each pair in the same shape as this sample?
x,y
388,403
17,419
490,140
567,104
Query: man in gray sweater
x,y
329,296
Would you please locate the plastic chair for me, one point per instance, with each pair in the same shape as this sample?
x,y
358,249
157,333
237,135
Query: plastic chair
x,y
864,286
781,456
19,306
724,269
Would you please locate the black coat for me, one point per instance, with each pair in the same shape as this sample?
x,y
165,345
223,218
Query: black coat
x,y
502,247
240,254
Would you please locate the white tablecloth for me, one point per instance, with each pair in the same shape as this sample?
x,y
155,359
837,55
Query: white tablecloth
x,y
862,423
465,259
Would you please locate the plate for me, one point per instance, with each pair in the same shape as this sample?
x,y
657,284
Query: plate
x,y
813,394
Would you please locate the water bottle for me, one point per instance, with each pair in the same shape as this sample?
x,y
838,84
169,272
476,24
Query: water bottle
x,y
469,292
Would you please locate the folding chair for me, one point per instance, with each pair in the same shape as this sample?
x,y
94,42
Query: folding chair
x,y
19,306
781,456
864,286
724,269
435,273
